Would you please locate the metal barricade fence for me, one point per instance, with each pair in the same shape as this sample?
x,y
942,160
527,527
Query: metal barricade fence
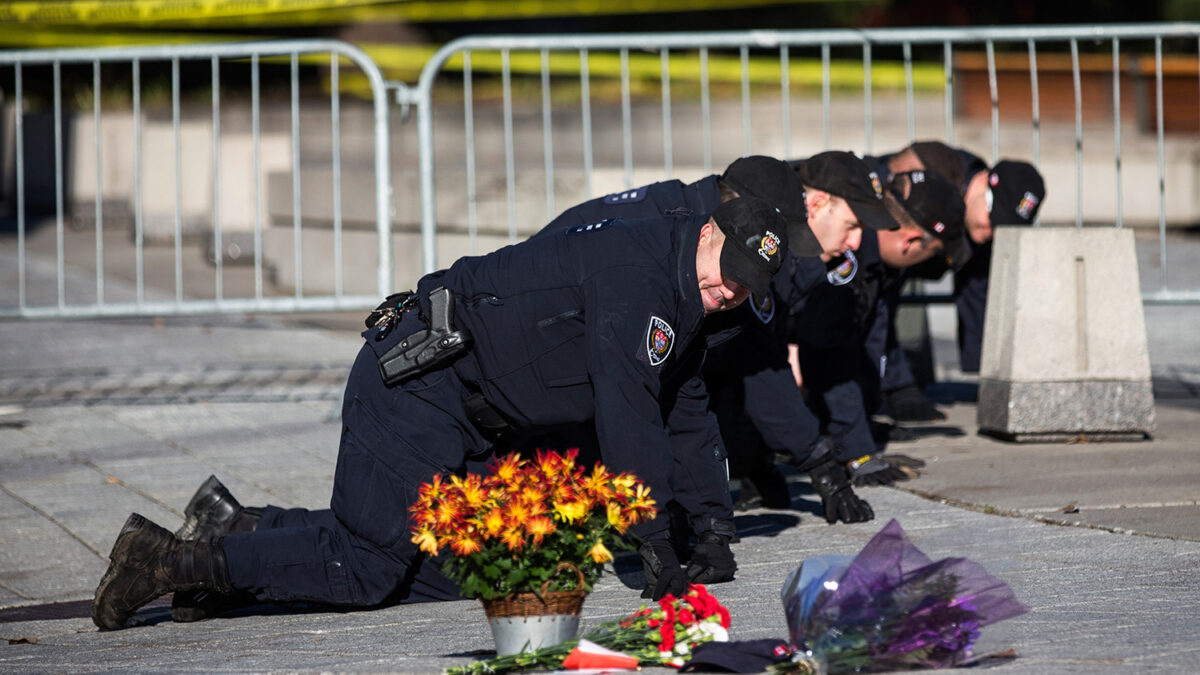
x,y
611,120
179,177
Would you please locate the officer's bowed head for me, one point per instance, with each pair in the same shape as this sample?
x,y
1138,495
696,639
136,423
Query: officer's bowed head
x,y
844,174
776,183
755,242
1015,192
934,205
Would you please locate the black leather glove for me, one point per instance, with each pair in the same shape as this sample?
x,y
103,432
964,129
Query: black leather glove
x,y
875,470
908,404
832,482
663,573
712,561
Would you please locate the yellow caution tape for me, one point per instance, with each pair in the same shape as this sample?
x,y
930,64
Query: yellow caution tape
x,y
252,13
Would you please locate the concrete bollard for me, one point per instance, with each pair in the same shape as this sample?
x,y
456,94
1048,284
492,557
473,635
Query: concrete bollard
x,y
1064,346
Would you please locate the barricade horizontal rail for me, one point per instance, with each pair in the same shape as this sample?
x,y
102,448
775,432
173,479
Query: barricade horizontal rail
x,y
151,170
1125,63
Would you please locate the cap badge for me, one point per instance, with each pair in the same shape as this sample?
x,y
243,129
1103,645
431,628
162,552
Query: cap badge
x,y
876,184
993,179
768,245
764,308
918,176
1027,205
939,227
660,337
845,271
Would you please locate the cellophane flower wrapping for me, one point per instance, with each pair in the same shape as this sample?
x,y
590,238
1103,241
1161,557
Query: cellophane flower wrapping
x,y
891,607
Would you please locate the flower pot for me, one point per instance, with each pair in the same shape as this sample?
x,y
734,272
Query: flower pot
x,y
528,621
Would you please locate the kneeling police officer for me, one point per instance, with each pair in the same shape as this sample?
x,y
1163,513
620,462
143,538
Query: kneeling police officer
x,y
598,322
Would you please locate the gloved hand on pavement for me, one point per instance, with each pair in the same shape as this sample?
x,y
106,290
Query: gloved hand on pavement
x,y
908,404
663,572
875,470
712,562
832,482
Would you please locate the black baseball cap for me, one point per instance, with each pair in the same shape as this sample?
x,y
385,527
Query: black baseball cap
x,y
743,656
1015,191
755,241
773,181
937,206
846,175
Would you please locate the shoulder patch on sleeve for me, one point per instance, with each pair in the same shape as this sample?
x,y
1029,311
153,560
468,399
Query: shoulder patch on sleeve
x,y
590,227
844,272
626,197
660,337
764,307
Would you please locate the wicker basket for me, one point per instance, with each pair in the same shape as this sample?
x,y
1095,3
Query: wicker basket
x,y
526,621
549,602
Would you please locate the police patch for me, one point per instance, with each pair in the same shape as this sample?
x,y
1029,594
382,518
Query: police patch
x,y
768,245
660,337
764,308
587,228
843,273
1027,205
626,197
876,184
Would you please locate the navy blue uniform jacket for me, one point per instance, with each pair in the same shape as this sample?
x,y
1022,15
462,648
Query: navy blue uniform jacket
x,y
590,324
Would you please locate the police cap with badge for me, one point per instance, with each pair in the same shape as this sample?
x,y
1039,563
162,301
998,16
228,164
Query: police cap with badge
x,y
844,174
937,207
773,181
756,237
1015,191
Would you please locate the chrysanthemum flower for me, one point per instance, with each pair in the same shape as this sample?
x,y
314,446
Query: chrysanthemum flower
x,y
465,543
425,541
539,527
493,522
513,538
600,554
505,469
616,518
597,484
570,512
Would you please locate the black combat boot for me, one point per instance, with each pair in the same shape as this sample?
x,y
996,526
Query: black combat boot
x,y
146,562
212,512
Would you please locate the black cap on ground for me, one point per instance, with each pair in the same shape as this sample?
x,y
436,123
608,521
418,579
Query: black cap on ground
x,y
755,241
937,206
844,174
773,181
1017,191
744,656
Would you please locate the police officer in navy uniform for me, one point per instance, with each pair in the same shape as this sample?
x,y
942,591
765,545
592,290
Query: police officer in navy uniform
x,y
701,505
842,327
1009,193
594,323
760,408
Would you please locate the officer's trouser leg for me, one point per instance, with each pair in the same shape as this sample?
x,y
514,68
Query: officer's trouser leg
x,y
359,553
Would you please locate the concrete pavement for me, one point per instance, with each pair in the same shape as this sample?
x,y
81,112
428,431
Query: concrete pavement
x,y
105,417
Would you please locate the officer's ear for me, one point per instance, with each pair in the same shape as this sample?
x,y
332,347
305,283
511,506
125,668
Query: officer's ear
x,y
815,199
708,232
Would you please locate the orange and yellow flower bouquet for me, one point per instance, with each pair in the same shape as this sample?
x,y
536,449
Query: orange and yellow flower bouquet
x,y
508,531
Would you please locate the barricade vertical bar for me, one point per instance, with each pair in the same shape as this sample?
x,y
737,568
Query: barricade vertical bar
x,y
995,95
1162,183
547,135
1037,114
335,122
1116,54
585,103
97,131
665,58
59,239
509,161
626,126
218,245
469,137
20,152
745,55
255,142
908,92
826,121
948,66
868,120
138,225
178,180
705,111
785,99
1078,134
297,242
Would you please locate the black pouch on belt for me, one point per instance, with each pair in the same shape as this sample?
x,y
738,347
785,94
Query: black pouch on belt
x,y
429,349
